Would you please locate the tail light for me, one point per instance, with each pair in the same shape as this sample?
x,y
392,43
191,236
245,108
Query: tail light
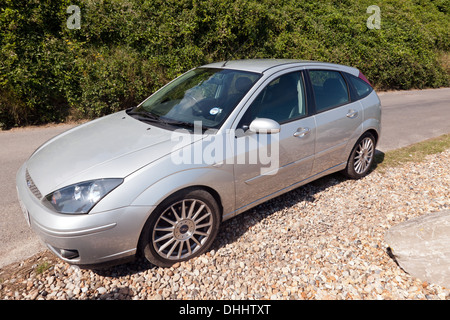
x,y
362,77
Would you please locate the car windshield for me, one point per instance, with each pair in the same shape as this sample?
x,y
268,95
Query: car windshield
x,y
203,96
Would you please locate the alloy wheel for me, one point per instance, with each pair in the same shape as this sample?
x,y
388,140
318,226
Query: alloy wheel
x,y
182,229
363,156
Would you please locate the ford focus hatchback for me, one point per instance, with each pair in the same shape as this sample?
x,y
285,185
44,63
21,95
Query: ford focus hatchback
x,y
158,179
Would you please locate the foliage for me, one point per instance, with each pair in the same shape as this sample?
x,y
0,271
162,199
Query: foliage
x,y
125,50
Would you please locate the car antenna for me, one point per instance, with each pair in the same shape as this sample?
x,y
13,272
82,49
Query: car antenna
x,y
234,53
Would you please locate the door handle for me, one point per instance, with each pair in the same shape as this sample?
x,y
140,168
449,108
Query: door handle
x,y
352,114
301,132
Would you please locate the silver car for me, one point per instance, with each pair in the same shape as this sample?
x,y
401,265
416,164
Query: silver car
x,y
158,179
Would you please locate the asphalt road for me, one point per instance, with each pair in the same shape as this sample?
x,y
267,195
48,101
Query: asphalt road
x,y
407,117
17,240
412,116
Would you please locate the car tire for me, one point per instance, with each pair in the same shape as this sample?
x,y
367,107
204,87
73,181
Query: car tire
x,y
182,227
361,157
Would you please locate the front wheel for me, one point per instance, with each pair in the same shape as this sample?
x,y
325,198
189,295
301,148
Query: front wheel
x,y
182,227
361,158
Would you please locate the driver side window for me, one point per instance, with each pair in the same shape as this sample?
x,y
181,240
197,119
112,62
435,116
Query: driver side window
x,y
282,100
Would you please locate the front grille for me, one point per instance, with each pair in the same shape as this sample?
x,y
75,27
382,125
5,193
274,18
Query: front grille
x,y
32,186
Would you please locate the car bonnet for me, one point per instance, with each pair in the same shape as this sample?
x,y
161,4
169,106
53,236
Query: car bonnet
x,y
110,147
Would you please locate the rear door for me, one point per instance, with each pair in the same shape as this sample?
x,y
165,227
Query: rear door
x,y
337,118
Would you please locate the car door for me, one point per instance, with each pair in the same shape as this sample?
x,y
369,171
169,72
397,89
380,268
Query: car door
x,y
267,163
337,118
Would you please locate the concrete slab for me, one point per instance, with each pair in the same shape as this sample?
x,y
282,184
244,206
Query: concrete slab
x,y
421,246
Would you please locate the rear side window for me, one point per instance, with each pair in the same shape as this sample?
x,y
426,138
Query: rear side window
x,y
330,89
362,88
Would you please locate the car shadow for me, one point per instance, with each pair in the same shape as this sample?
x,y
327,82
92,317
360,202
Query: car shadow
x,y
233,229
379,158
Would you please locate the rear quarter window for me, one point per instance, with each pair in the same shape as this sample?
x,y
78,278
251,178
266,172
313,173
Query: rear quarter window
x,y
362,88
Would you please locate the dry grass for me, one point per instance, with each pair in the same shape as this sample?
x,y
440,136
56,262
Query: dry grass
x,y
414,153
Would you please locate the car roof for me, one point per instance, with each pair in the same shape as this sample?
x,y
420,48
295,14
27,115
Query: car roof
x,y
263,65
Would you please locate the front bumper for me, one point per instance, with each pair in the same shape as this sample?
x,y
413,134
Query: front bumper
x,y
85,239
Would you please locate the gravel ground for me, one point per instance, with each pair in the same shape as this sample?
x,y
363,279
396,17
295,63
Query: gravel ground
x,y
324,240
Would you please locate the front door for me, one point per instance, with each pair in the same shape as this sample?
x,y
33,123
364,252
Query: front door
x,y
265,162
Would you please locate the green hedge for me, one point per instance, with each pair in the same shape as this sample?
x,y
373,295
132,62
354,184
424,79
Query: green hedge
x,y
125,50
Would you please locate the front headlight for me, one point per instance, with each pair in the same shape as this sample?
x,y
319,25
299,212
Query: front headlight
x,y
81,197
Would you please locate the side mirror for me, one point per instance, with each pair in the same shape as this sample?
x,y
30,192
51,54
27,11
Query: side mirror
x,y
264,125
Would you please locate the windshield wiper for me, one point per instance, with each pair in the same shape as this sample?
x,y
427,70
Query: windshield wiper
x,y
186,124
143,116
151,117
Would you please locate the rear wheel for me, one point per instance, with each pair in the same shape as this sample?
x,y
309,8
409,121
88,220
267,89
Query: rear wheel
x,y
182,227
361,158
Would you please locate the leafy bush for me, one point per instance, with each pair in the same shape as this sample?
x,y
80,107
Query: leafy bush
x,y
125,50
